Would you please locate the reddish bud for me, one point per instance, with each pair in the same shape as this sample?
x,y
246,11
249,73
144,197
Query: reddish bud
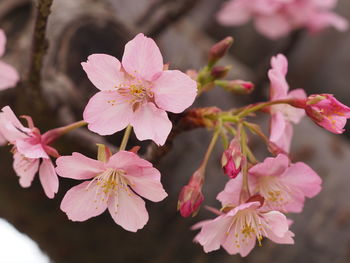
x,y
191,196
237,86
202,117
220,72
219,50
232,159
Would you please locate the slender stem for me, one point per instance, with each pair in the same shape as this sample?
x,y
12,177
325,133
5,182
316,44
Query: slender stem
x,y
210,150
260,106
53,134
245,193
125,138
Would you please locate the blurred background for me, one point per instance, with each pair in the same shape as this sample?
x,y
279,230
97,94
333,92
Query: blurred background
x,y
184,31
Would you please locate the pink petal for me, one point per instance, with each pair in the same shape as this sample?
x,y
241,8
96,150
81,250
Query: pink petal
x,y
277,222
243,248
213,233
231,194
142,58
30,148
286,239
273,27
281,131
320,21
107,112
84,201
3,141
2,42
128,210
78,166
174,91
271,166
146,183
48,178
235,13
8,76
302,177
277,75
25,168
152,123
104,71
124,160
10,127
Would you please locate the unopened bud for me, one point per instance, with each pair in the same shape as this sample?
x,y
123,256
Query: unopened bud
x,y
220,72
191,196
232,159
202,117
237,86
219,50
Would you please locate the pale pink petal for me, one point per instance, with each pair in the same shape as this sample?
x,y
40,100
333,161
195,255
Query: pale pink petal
x,y
48,178
104,71
231,194
174,91
152,123
78,166
146,183
8,76
277,222
273,27
213,233
277,75
234,13
3,141
142,58
25,168
107,112
302,177
286,239
281,131
31,148
271,166
125,160
244,247
84,201
10,127
320,21
128,210
2,42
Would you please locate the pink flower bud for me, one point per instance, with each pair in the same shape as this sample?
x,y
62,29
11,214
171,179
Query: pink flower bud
x,y
220,72
191,196
237,86
327,112
219,50
231,159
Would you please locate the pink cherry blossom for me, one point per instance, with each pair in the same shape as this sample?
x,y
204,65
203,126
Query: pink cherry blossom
x,y
277,18
114,185
8,74
232,159
282,115
283,185
327,112
136,91
31,152
238,229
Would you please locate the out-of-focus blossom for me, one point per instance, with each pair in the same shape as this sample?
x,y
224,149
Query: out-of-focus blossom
x,y
277,18
283,115
238,229
191,196
8,74
115,183
327,112
219,50
137,91
232,158
31,152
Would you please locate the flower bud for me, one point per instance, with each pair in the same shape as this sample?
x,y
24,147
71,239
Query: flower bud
x,y
220,72
237,86
219,50
191,196
232,158
327,112
202,117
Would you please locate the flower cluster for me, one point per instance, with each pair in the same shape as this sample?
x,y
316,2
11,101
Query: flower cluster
x,y
276,18
135,94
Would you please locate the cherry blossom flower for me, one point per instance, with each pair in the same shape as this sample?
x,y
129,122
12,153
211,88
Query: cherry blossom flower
x,y
115,182
136,91
31,152
283,185
282,115
8,74
327,112
232,159
238,229
277,18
